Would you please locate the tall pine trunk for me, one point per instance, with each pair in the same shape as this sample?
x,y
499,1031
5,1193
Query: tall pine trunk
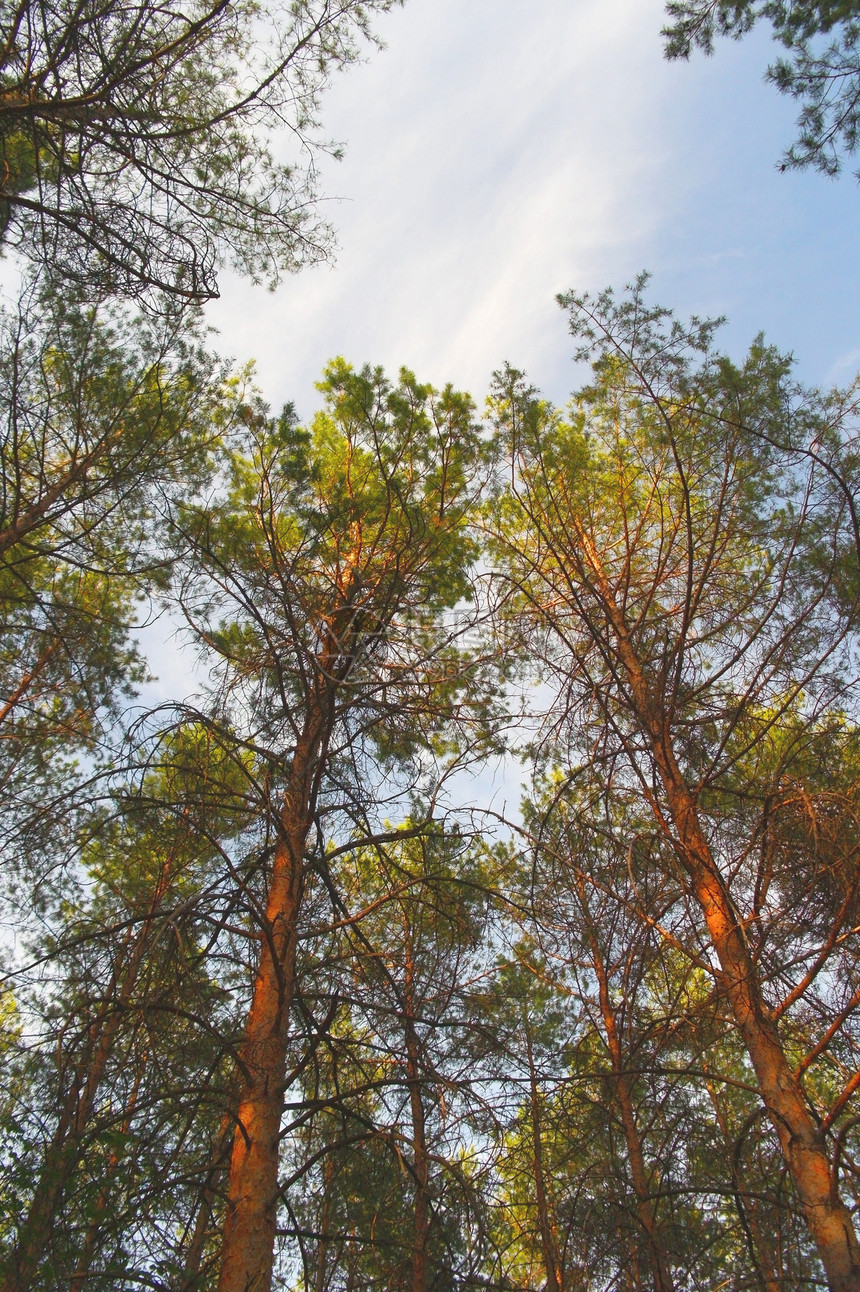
x,y
247,1252
420,1155
800,1138
91,1237
247,1249
761,1260
546,1225
193,1272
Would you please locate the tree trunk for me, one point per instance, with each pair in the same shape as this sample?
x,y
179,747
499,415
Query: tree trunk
x,y
62,1154
800,1138
660,1266
321,1273
768,1280
85,1257
192,1275
247,1249
549,1246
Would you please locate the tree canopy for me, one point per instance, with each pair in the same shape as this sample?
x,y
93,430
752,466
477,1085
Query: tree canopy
x,y
287,1000
142,146
820,67
287,1006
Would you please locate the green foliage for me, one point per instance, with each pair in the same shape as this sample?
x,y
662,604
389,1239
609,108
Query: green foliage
x,y
821,68
680,550
402,965
335,551
700,495
135,141
136,1039
106,417
507,1058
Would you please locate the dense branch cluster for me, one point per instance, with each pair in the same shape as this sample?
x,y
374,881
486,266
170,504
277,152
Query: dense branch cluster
x,y
285,999
288,1004
142,146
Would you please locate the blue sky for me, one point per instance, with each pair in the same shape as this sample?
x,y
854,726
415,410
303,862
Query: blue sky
x,y
499,151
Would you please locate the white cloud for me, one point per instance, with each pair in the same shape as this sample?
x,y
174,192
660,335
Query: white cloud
x,y
497,153
502,150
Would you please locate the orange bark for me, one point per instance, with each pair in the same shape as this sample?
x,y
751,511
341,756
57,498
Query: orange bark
x,y
801,1139
250,1224
247,1250
35,513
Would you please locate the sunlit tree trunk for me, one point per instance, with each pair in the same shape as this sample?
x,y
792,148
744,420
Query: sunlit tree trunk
x,y
249,1230
327,539
247,1251
800,1138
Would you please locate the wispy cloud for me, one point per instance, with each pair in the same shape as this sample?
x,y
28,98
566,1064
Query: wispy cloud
x,y
502,150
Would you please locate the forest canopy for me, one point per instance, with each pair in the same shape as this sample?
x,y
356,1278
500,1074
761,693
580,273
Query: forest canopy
x,y
286,999
286,1009
142,146
819,65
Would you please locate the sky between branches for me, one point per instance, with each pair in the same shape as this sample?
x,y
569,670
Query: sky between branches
x,y
499,151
